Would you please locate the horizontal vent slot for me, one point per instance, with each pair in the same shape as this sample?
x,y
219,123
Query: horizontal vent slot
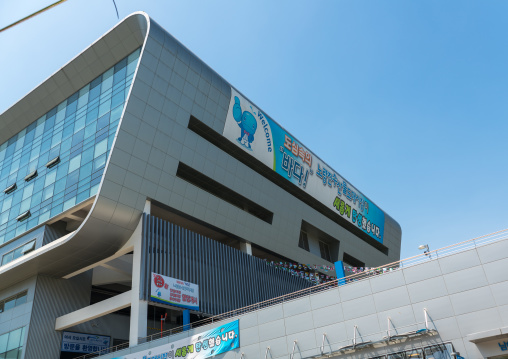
x,y
206,183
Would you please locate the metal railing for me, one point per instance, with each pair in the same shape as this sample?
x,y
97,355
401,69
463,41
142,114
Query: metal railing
x,y
388,268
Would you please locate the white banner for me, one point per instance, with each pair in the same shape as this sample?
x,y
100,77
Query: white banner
x,y
84,343
172,291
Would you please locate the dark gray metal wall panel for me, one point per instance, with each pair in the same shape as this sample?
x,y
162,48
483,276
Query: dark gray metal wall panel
x,y
228,279
53,298
53,232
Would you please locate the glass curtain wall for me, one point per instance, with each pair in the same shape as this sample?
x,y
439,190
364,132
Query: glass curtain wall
x,y
58,160
11,344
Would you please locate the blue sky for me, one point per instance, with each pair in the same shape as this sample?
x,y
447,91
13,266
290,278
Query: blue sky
x,y
405,99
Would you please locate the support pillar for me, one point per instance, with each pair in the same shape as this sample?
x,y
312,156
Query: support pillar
x,y
186,319
339,270
139,308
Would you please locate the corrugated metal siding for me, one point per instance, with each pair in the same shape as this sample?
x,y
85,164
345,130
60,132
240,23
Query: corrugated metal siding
x,y
53,298
53,232
228,279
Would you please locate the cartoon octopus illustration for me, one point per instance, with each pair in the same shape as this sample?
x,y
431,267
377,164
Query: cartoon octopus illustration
x,y
247,123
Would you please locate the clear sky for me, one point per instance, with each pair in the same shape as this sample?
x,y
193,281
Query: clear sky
x,y
408,100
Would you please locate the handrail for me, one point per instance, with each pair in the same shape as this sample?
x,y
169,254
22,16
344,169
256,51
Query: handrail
x,y
387,268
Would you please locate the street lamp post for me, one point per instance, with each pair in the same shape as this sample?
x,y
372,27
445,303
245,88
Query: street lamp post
x,y
425,248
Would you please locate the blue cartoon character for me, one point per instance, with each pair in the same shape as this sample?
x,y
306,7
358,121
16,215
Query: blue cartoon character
x,y
247,123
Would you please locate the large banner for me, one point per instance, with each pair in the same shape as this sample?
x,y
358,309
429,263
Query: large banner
x,y
260,136
200,346
172,291
84,343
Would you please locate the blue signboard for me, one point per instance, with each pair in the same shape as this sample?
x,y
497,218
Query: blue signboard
x,y
200,346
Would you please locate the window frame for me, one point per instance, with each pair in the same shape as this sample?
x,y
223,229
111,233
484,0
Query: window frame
x,y
23,252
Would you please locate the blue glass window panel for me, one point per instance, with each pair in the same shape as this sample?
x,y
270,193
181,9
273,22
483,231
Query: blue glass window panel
x,y
39,183
43,217
83,196
74,163
103,121
24,160
87,155
36,199
54,152
83,96
27,191
120,71
80,122
50,178
57,138
16,198
85,171
72,104
77,138
66,145
14,212
102,135
9,235
72,178
33,221
48,192
68,130
14,166
57,200
69,203
92,114
104,107
116,113
117,99
7,204
25,205
56,210
43,159
49,124
99,162
100,148
90,130
62,170
4,217
94,189
95,88
59,186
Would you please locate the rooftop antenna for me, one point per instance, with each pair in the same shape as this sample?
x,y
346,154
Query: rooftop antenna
x,y
116,10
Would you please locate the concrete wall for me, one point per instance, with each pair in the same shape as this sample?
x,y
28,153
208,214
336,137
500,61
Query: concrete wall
x,y
464,294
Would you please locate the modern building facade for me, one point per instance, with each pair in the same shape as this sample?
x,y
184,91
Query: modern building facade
x,y
136,159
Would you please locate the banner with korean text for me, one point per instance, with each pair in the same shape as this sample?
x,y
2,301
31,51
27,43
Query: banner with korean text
x,y
260,136
83,342
176,292
200,346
